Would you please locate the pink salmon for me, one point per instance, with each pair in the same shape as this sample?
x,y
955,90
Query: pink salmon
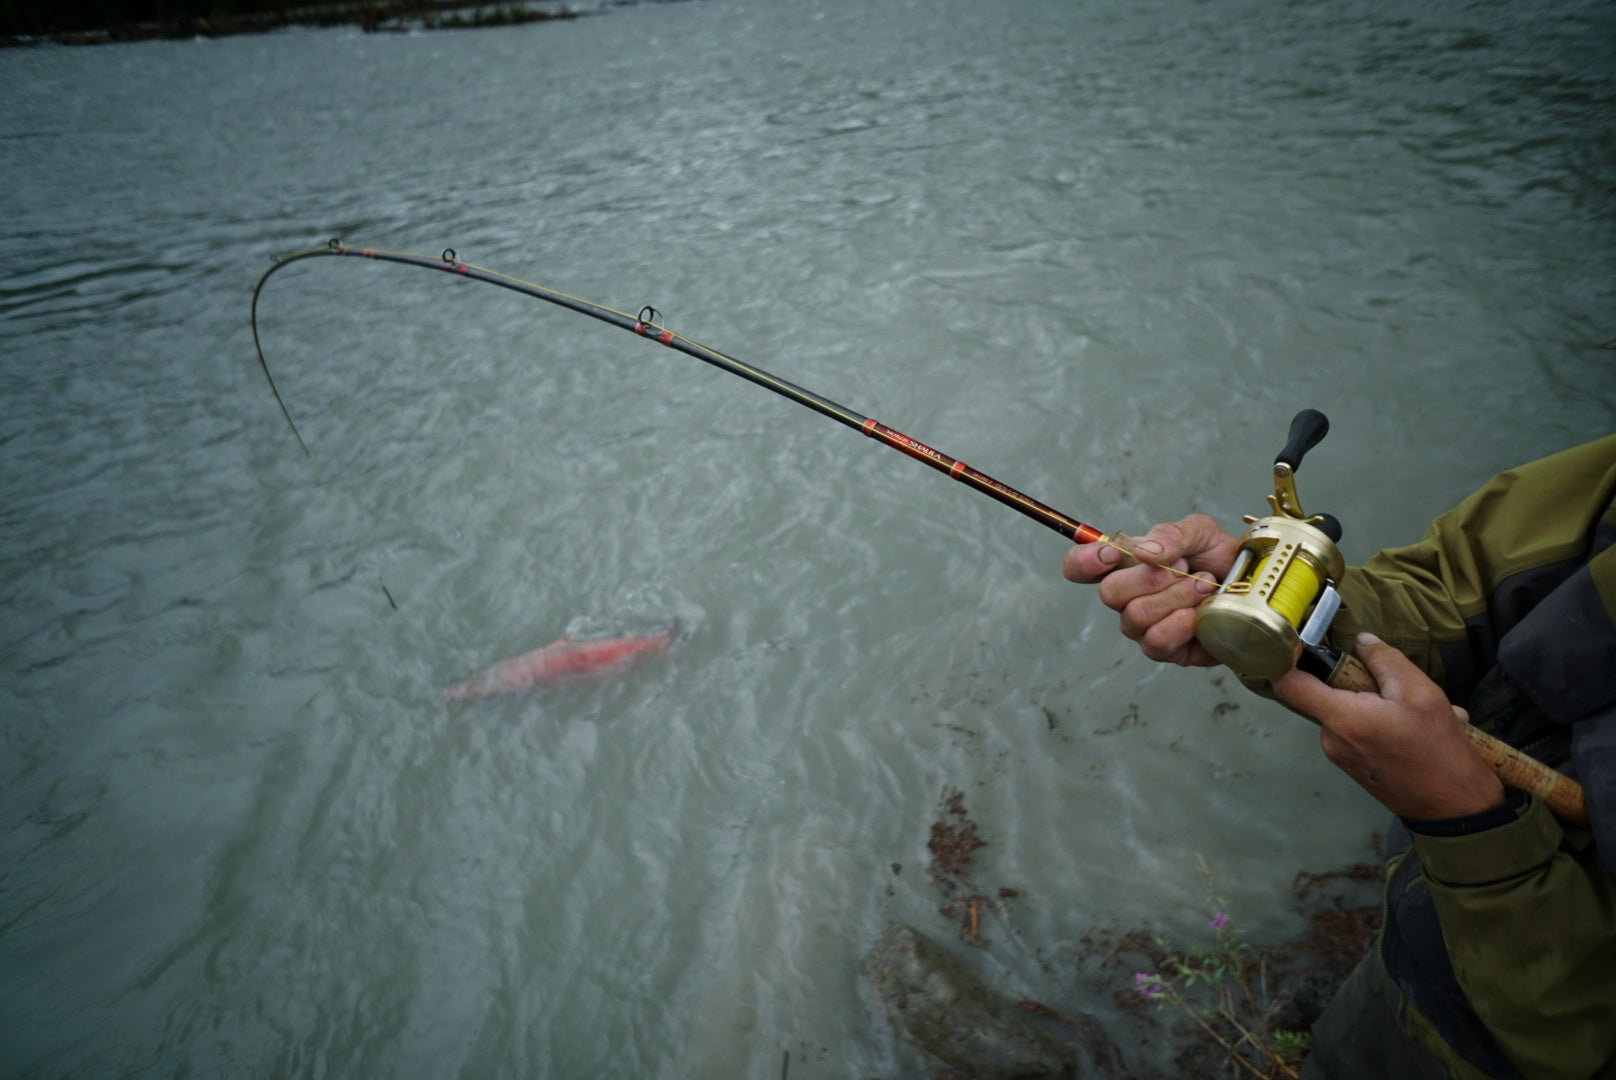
x,y
561,659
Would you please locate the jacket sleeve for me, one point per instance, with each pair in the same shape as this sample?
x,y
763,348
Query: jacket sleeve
x,y
1445,600
1528,913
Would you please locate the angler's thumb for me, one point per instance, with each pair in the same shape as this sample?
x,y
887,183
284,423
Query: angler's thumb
x,y
1163,544
1186,538
1384,662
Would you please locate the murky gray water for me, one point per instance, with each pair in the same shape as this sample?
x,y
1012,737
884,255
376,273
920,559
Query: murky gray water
x,y
1101,250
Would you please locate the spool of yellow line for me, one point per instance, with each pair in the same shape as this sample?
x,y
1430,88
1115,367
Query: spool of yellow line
x,y
1298,585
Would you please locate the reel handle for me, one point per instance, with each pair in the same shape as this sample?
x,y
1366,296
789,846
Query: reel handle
x,y
1563,795
1308,429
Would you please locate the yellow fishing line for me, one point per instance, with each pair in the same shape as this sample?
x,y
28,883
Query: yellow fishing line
x,y
1295,589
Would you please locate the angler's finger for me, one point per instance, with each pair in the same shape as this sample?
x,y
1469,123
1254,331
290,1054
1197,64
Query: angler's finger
x,y
1154,600
1171,640
1398,676
1402,686
1305,693
1087,563
1122,587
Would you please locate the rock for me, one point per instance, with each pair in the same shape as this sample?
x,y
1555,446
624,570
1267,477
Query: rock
x,y
947,1010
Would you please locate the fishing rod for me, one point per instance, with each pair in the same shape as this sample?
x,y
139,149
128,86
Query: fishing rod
x,y
645,325
1270,614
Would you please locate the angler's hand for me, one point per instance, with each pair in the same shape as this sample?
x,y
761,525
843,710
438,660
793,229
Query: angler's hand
x,y
1406,746
1158,607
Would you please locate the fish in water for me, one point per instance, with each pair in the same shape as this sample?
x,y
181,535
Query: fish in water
x,y
561,659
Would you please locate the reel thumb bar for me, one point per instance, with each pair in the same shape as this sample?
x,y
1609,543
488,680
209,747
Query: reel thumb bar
x,y
1563,795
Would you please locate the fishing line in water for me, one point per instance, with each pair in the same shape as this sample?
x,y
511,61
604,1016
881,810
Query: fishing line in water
x,y
346,510
645,324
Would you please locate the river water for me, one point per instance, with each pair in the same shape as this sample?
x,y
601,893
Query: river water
x,y
1101,250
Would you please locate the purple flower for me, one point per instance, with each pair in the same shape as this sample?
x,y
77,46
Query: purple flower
x,y
1219,920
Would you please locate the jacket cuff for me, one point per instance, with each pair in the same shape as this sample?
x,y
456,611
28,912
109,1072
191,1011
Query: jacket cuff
x,y
1502,814
1506,851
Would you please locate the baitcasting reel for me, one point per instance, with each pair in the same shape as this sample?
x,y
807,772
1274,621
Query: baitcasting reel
x,y
1277,602
1279,598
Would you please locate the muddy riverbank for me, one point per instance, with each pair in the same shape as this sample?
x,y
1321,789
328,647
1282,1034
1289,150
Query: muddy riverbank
x,y
1226,998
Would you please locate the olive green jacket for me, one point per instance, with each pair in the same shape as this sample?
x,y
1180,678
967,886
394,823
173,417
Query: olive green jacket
x,y
1501,932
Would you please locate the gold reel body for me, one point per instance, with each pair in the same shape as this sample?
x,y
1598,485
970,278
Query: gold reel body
x,y
1254,623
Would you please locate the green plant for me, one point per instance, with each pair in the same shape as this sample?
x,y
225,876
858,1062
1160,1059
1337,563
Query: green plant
x,y
1224,990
